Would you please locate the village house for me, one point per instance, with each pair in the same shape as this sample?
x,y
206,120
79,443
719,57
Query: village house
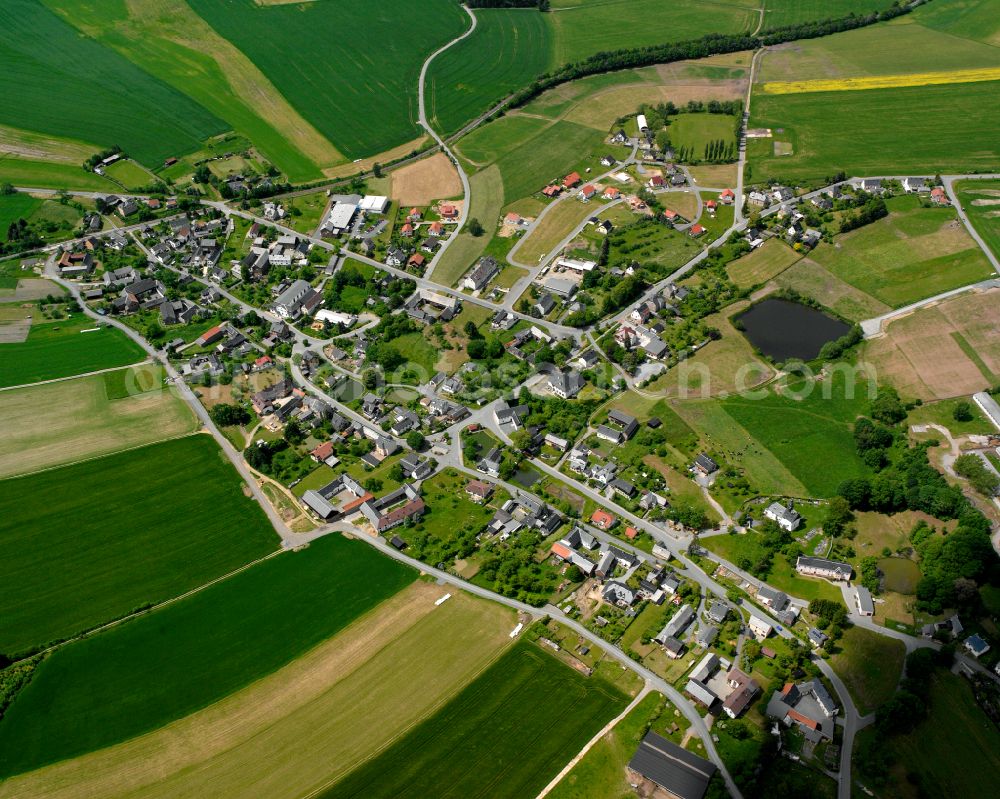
x,y
822,567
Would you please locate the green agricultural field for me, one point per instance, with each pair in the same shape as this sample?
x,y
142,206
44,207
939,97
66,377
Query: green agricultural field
x,y
486,144
169,40
67,568
915,142
505,735
802,433
584,27
981,201
901,48
870,665
778,13
50,175
601,772
362,94
111,102
509,49
60,349
967,19
158,668
913,253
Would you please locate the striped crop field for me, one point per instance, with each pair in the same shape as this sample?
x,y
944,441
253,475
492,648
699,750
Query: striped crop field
x,y
883,81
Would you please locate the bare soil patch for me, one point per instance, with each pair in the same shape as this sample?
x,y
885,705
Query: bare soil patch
x,y
428,179
922,354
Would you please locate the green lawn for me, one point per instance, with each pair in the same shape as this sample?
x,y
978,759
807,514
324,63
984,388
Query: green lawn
x,y
915,142
509,49
111,101
981,201
59,349
505,735
137,527
364,99
870,665
310,208
913,253
129,174
158,668
697,130
807,432
648,242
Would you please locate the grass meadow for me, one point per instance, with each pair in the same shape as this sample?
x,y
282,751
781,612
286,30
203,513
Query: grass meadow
x,y
129,174
14,207
697,130
769,260
50,175
354,74
111,102
803,433
72,420
950,751
981,201
86,543
505,735
913,253
965,19
57,349
509,49
916,141
870,665
160,667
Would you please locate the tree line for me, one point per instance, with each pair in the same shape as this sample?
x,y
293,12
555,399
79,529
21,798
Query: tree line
x,y
711,44
541,5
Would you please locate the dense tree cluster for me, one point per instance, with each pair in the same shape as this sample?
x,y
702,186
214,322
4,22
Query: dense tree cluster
x,y
951,565
873,210
541,5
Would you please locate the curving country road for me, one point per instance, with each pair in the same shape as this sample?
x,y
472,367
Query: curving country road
x,y
425,123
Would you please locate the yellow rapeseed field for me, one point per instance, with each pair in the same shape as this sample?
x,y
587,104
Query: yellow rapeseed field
x,y
882,81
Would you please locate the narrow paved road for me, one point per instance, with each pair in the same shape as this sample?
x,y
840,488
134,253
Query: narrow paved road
x,y
425,123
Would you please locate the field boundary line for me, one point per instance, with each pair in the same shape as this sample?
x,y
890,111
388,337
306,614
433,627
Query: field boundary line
x,y
145,360
870,82
646,689
153,608
399,735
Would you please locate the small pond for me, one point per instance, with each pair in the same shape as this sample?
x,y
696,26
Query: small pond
x,y
783,329
899,575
